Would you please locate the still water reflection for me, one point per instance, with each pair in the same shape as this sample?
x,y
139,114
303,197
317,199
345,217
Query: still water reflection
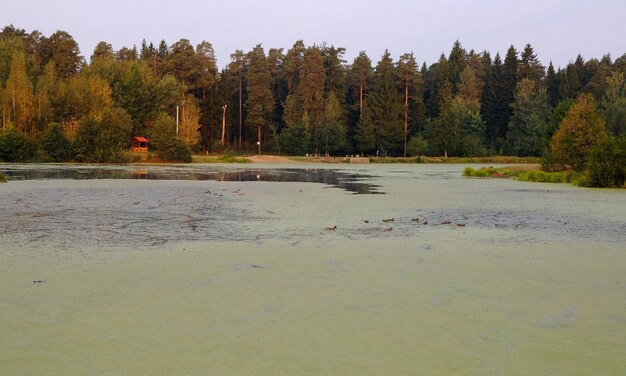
x,y
347,181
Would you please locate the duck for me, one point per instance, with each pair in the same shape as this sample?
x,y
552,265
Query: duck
x,y
387,229
388,220
331,228
446,222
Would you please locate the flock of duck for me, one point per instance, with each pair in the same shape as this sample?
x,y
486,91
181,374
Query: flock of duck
x,y
391,220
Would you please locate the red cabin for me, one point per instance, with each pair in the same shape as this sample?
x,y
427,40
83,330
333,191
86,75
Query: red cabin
x,y
139,144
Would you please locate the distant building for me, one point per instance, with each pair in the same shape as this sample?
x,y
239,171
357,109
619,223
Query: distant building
x,y
139,144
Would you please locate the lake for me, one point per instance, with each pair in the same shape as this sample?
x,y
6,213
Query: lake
x,y
231,270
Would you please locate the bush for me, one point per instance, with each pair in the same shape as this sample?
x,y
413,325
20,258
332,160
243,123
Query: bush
x,y
480,173
17,147
164,143
3,178
174,150
417,145
607,163
543,177
56,146
579,131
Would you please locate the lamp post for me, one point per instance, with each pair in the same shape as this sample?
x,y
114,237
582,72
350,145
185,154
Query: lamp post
x,y
182,103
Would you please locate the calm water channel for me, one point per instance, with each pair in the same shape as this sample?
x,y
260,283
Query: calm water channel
x,y
307,269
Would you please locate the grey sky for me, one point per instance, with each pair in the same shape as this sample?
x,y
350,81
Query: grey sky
x,y
557,29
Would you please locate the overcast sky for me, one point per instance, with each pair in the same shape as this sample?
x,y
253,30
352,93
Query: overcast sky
x,y
557,29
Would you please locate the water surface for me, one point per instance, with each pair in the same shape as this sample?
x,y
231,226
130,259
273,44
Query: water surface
x,y
209,276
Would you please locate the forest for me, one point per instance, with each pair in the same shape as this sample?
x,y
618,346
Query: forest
x,y
55,105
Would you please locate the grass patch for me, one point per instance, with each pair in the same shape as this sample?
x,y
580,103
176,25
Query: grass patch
x,y
458,160
524,174
396,160
223,158
480,173
3,178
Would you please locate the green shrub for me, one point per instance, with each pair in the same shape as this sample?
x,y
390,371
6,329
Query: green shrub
x,y
607,163
56,146
543,177
3,178
17,147
174,150
480,173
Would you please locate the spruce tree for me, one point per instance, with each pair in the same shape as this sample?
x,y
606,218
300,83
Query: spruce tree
x,y
365,136
457,62
529,119
387,108
509,84
553,84
361,77
530,67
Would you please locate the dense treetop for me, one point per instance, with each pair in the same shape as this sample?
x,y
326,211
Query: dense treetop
x,y
306,99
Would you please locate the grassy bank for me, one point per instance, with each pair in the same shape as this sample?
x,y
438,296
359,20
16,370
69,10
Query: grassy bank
x,y
226,158
530,173
423,159
3,178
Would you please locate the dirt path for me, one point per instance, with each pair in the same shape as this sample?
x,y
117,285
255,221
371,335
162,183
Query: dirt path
x,y
268,159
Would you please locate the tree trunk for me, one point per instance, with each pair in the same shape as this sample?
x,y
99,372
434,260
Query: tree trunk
x,y
406,113
360,99
240,112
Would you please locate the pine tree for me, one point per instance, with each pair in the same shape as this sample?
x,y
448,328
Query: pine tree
x,y
238,69
409,81
65,52
260,102
293,65
103,51
207,74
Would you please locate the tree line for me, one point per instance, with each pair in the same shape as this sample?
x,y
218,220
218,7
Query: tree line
x,y
56,105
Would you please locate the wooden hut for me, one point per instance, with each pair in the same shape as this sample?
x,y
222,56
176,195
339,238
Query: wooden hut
x,y
139,144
